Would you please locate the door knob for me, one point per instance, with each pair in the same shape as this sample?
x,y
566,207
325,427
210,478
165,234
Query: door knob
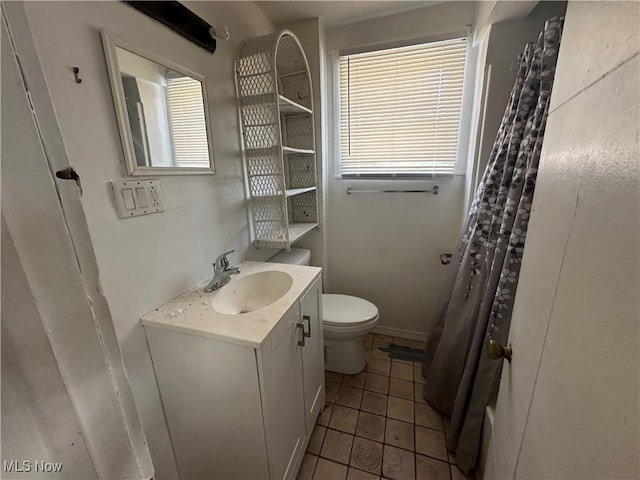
x,y
495,350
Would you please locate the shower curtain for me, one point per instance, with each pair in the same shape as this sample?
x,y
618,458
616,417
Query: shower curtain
x,y
477,299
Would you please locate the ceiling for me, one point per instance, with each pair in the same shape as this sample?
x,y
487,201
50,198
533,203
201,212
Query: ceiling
x,y
335,12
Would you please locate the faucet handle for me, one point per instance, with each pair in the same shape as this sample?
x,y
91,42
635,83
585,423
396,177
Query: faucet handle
x,y
222,261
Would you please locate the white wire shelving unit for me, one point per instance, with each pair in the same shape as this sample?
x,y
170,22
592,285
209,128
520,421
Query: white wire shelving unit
x,y
275,103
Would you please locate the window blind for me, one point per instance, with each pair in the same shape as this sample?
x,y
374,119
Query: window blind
x,y
186,116
400,109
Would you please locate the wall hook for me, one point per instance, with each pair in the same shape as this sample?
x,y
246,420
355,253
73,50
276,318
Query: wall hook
x,y
221,33
76,72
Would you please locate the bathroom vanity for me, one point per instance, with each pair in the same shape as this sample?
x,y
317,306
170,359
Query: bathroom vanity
x,y
241,372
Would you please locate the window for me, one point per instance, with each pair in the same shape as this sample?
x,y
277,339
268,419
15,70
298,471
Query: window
x,y
400,109
186,118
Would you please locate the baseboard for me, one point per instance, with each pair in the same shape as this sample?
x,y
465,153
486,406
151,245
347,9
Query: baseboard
x,y
397,332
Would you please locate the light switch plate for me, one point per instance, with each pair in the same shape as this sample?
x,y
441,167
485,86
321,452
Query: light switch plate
x,y
137,197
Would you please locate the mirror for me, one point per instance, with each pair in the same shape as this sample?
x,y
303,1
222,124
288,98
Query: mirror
x,y
162,115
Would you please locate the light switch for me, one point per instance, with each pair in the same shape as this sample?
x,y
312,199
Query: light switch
x,y
137,197
142,199
127,199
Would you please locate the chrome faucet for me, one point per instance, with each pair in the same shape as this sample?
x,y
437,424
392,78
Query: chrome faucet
x,y
221,272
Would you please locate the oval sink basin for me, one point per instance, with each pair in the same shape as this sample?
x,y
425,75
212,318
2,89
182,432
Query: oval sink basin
x,y
251,293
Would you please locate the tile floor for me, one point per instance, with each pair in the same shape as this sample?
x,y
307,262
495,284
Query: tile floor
x,y
377,425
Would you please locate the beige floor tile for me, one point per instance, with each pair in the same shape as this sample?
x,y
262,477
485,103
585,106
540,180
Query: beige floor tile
x,y
331,391
399,434
344,419
308,466
349,396
377,383
337,446
457,474
382,339
367,348
377,353
426,416
401,388
355,474
325,415
418,344
431,469
400,409
380,366
431,443
417,392
398,464
404,362
368,338
332,377
328,470
315,442
371,426
417,374
402,370
366,455
403,342
354,380
373,402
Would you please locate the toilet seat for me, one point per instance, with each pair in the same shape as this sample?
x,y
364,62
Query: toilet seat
x,y
342,311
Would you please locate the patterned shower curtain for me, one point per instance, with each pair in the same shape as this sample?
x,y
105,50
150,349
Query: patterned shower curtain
x,y
477,299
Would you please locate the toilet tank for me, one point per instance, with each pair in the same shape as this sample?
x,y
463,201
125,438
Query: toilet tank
x,y
295,256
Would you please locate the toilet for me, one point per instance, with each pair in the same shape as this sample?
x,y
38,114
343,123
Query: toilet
x,y
345,320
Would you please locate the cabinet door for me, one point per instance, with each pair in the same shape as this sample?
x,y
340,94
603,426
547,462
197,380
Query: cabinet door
x,y
312,354
280,370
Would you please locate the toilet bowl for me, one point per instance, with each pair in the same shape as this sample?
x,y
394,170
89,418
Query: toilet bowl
x,y
345,320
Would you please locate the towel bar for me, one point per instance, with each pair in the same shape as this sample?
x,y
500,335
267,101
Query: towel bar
x,y
435,190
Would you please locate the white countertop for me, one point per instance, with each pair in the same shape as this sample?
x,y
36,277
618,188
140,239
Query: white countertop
x,y
193,313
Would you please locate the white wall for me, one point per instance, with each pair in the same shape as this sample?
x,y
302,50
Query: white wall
x,y
386,247
38,417
146,261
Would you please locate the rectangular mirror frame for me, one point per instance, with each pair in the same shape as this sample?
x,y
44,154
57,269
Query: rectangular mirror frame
x,y
124,127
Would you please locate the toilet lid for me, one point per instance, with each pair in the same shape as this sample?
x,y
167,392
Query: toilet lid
x,y
346,310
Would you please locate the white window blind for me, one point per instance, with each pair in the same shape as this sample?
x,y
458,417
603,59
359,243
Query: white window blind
x,y
400,109
186,116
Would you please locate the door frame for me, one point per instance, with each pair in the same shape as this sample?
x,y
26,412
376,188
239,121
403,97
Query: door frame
x,y
89,334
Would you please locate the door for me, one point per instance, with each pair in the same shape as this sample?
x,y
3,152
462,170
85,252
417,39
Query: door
x,y
65,396
312,354
280,371
568,403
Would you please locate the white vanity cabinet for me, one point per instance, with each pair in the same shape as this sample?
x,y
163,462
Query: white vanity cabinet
x,y
237,411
